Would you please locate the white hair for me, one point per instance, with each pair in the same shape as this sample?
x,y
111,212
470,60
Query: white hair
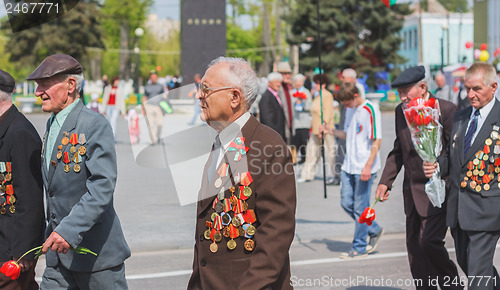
x,y
298,77
78,80
349,73
274,76
4,96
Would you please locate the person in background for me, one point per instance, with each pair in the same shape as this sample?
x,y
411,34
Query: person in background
x,y
153,94
192,93
113,102
313,149
363,135
286,99
94,104
134,130
302,101
271,107
22,221
443,90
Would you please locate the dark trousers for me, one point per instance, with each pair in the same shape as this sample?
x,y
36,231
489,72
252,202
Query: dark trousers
x,y
26,280
475,251
300,141
429,260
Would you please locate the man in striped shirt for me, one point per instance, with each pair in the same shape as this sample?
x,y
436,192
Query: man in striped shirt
x,y
363,135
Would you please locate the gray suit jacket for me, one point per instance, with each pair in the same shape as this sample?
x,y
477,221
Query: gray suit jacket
x,y
473,210
80,204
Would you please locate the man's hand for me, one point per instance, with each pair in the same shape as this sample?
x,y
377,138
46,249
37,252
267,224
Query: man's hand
x,y
56,243
382,193
366,173
25,264
429,168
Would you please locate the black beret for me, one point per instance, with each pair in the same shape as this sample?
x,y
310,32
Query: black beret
x,y
7,82
56,64
409,77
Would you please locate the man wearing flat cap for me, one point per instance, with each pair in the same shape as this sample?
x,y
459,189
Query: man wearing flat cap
x,y
22,220
425,224
79,175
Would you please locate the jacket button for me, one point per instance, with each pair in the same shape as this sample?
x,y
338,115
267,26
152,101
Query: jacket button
x,y
53,216
51,195
202,238
203,263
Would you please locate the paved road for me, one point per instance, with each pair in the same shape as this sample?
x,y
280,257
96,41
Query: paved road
x,y
160,232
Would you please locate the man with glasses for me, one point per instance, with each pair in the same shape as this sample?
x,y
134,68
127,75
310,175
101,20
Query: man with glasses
x,y
425,224
246,209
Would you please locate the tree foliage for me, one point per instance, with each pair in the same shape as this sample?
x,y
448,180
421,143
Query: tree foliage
x,y
362,35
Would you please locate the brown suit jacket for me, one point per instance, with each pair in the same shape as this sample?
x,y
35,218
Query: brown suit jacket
x,y
404,153
273,200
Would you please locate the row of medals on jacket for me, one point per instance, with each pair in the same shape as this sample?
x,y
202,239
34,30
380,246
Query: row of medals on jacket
x,y
74,139
6,188
480,171
232,227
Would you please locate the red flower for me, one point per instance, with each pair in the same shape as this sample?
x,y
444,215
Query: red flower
x,y
11,269
367,216
300,95
431,102
409,118
427,120
414,102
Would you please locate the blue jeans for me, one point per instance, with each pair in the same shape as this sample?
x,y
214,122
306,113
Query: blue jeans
x,y
354,198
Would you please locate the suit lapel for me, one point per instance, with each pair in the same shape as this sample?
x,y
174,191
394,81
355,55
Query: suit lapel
x,y
68,126
485,131
461,131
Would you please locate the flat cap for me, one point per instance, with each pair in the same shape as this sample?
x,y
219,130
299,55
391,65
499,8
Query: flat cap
x,y
7,82
284,67
56,64
409,77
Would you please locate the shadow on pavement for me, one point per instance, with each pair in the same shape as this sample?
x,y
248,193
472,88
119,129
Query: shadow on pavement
x,y
333,246
303,221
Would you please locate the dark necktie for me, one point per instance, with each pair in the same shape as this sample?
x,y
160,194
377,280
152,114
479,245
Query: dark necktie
x,y
214,157
470,132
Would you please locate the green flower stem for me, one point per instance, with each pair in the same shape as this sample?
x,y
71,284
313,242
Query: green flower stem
x,y
376,200
37,248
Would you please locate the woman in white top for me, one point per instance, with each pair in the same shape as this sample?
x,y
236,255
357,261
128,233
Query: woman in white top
x,y
113,101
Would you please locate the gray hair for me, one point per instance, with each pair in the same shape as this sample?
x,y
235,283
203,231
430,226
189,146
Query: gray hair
x,y
78,79
274,76
349,73
487,70
4,96
241,76
298,77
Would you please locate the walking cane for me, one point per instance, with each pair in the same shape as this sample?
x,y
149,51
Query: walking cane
x,y
147,122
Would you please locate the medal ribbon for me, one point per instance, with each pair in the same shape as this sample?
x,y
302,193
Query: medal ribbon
x,y
216,200
66,157
8,166
218,223
212,233
223,170
233,232
490,168
73,139
486,179
245,227
2,201
77,158
9,189
227,205
249,216
496,150
2,167
246,178
240,193
238,145
486,149
497,162
209,224
81,140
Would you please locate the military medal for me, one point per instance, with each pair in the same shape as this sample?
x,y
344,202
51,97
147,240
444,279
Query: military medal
x,y
217,237
213,247
12,199
241,232
206,234
486,187
494,135
12,209
9,189
469,173
221,194
8,168
66,161
59,152
238,145
236,221
65,139
226,219
478,188
77,158
488,142
219,207
82,150
214,216
223,172
3,210
226,232
249,245
73,140
463,184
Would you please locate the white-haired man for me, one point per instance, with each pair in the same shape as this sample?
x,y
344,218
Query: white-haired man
x,y
271,107
246,213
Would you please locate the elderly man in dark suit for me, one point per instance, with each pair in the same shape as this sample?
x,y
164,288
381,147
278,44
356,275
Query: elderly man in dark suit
x,y
472,163
79,175
272,110
21,201
425,224
246,213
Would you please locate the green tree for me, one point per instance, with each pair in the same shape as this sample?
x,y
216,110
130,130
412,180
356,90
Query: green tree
x,y
64,34
120,19
240,43
455,5
362,35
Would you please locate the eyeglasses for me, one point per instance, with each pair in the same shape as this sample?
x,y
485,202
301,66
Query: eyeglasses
x,y
203,90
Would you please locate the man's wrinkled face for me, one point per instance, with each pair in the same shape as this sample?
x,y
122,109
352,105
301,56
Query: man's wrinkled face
x,y
478,93
55,93
287,78
406,94
215,102
275,85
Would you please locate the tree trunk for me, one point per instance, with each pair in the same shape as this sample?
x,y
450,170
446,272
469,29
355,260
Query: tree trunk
x,y
266,38
278,56
124,53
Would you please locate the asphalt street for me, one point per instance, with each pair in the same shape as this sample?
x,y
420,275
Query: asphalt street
x,y
160,232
